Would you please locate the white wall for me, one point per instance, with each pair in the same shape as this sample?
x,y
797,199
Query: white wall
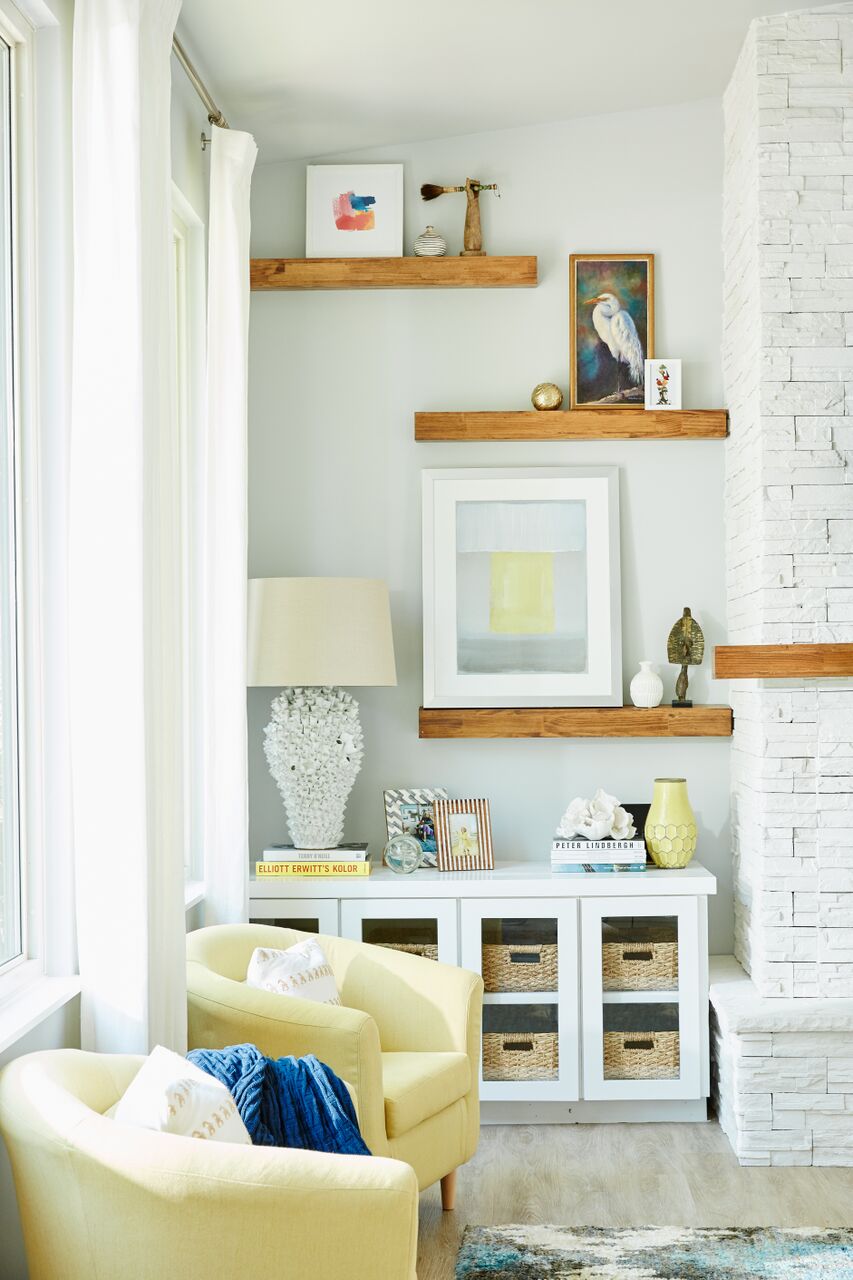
x,y
334,469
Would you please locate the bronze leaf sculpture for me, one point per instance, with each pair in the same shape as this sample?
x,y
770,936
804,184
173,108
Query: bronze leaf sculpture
x,y
473,235
685,646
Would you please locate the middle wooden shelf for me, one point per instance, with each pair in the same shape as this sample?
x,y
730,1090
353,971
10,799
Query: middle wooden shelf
x,y
707,721
575,424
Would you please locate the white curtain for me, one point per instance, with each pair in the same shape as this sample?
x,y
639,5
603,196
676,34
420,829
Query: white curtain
x,y
124,578
224,545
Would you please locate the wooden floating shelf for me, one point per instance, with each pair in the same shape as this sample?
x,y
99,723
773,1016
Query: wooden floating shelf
x,y
778,661
576,424
576,722
394,273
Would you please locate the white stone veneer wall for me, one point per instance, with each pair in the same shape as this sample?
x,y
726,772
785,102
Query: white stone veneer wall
x,y
788,367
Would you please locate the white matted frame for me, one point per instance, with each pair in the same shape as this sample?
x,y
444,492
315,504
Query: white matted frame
x,y
334,194
600,683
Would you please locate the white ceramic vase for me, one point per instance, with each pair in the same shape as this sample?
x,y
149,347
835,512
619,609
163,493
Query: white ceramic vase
x,y
314,746
646,687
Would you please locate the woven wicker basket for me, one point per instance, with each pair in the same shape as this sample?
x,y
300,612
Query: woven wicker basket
x,y
429,950
641,1055
640,966
520,1056
507,967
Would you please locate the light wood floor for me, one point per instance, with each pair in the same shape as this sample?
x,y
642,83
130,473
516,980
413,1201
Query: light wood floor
x,y
622,1175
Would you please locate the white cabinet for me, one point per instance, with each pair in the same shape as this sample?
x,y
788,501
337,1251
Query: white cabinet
x,y
644,998
425,926
596,1000
528,955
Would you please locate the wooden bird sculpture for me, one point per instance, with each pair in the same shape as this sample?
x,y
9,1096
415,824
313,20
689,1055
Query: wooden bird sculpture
x,y
686,645
473,235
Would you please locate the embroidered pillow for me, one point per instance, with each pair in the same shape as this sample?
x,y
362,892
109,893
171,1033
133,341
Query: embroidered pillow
x,y
171,1095
302,970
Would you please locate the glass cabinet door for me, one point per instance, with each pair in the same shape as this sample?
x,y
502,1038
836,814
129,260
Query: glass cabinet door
x,y
643,967
527,953
311,915
422,926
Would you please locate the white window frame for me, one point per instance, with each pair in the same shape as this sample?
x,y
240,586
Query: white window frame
x,y
190,280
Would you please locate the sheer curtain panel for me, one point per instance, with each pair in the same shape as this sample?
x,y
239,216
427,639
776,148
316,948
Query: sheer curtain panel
x,y
124,536
224,550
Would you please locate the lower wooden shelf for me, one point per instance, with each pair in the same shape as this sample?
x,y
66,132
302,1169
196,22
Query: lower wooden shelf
x,y
574,424
778,661
576,722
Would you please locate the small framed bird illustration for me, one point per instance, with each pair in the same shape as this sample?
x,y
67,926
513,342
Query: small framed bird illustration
x,y
611,327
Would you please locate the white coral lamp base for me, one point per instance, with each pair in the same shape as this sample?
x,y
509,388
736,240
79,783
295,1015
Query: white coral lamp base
x,y
314,748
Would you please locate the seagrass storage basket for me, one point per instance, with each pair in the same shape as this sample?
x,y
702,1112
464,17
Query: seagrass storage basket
x,y
520,967
641,1055
428,950
647,961
520,1055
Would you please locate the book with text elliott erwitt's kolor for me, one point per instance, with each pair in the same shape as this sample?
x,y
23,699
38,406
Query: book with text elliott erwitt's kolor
x,y
289,853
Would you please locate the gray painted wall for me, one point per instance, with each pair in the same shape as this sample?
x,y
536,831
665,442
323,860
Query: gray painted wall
x,y
334,469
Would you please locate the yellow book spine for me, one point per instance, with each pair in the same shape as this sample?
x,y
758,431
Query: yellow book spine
x,y
311,869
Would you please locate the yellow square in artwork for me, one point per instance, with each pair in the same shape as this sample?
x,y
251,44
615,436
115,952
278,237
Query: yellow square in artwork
x,y
522,594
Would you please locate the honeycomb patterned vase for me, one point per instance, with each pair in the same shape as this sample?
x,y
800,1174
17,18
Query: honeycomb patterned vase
x,y
671,824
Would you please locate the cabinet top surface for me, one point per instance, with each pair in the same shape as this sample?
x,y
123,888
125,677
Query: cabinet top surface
x,y
509,879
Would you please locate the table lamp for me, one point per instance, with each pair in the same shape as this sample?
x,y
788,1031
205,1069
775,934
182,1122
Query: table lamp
x,y
313,635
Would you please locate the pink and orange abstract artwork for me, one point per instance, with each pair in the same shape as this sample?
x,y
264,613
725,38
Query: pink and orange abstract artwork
x,y
354,213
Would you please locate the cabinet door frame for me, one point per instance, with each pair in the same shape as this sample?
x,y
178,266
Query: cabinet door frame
x,y
324,910
354,911
691,998
566,998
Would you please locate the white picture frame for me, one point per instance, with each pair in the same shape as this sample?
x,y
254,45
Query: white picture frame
x,y
354,211
662,384
578,661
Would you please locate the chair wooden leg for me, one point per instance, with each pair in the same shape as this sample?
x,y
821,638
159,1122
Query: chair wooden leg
x,y
448,1191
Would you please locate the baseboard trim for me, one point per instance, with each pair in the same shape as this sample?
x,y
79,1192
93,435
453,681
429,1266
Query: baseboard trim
x,y
622,1112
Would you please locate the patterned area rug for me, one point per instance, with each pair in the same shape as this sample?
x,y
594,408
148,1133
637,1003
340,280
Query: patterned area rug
x,y
654,1253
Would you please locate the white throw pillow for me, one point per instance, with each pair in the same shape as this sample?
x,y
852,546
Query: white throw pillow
x,y
171,1095
302,970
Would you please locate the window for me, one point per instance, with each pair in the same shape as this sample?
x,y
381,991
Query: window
x,y
188,244
12,933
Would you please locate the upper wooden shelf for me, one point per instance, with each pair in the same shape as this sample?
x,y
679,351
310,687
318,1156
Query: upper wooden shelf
x,y
779,661
576,424
394,273
576,722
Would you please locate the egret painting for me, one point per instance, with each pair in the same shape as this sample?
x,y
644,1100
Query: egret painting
x,y
611,319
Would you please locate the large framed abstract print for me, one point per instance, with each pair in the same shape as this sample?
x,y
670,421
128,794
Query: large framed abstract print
x,y
521,587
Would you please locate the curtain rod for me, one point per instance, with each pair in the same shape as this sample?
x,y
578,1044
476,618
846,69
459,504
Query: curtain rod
x,y
214,115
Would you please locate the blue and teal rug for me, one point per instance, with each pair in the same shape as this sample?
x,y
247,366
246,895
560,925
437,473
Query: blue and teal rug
x,y
654,1253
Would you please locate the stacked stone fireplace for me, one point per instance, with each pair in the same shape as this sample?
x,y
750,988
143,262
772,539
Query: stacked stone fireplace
x,y
788,365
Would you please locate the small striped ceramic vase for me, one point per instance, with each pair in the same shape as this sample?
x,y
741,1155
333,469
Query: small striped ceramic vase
x,y
430,244
671,824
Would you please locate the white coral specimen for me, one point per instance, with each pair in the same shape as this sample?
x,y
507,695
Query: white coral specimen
x,y
596,819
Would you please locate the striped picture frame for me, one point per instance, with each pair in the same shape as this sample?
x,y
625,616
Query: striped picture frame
x,y
464,846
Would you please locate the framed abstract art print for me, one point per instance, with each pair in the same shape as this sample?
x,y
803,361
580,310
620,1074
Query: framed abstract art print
x,y
354,211
521,587
611,327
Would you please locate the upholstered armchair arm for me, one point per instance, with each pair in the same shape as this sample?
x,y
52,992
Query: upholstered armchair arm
x,y
221,1012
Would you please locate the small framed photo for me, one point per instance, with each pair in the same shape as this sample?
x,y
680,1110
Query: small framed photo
x,y
663,384
611,327
463,832
354,211
411,812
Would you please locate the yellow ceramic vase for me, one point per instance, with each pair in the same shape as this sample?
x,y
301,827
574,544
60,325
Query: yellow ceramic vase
x,y
671,824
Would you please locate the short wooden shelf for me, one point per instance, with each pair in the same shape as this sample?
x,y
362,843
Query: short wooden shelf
x,y
778,661
576,722
394,273
576,424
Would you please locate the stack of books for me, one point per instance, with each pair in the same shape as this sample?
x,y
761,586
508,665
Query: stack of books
x,y
285,860
581,855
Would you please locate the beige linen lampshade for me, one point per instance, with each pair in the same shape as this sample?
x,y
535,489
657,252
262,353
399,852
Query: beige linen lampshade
x,y
320,631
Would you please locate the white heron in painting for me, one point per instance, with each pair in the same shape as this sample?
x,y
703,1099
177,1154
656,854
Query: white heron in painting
x,y
616,329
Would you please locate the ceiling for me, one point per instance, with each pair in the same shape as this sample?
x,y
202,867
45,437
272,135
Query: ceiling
x,y
324,76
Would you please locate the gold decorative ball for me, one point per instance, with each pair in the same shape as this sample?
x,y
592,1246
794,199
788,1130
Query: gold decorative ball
x,y
547,395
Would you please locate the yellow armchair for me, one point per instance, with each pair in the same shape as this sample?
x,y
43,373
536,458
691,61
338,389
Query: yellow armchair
x,y
406,1038
100,1200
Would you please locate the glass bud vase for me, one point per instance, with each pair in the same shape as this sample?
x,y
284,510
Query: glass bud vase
x,y
671,824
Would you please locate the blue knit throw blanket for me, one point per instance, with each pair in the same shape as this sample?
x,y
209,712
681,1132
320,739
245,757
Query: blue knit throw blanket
x,y
286,1102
